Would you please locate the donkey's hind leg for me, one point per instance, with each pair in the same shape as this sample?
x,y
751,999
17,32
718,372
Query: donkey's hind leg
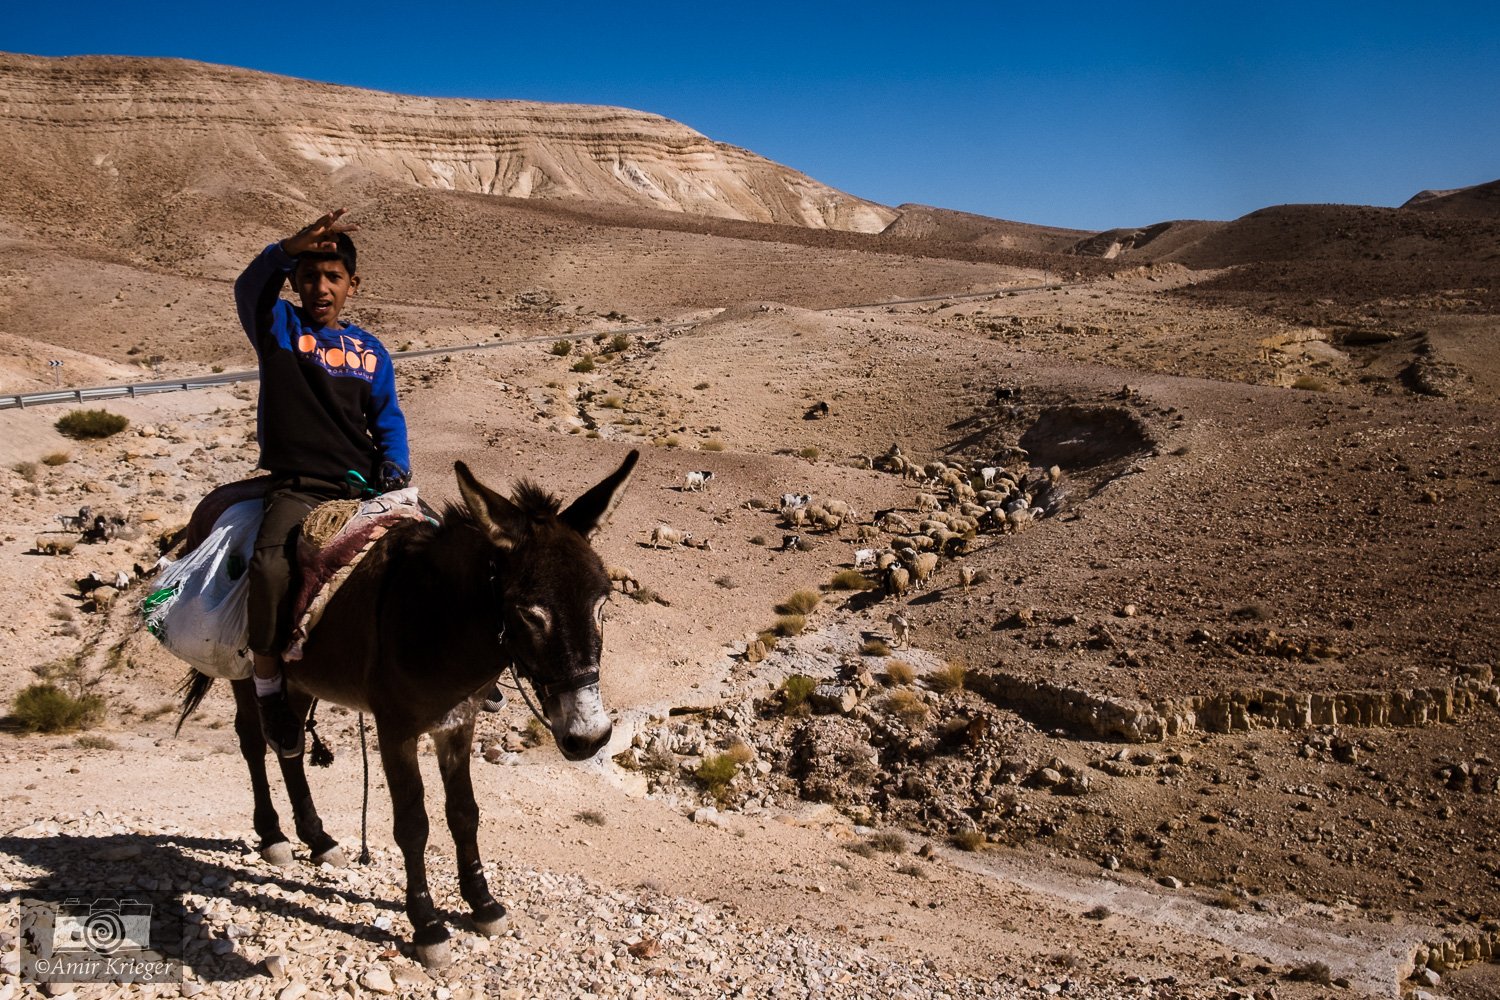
x,y
453,753
274,847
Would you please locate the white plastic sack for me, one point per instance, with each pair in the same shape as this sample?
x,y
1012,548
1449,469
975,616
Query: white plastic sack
x,y
198,605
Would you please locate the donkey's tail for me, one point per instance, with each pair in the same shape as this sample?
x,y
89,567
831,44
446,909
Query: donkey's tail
x,y
194,687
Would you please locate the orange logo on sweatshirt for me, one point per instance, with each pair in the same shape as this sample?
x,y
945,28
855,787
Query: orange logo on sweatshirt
x,y
347,357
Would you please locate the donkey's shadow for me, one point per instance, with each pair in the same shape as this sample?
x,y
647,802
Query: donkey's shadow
x,y
74,865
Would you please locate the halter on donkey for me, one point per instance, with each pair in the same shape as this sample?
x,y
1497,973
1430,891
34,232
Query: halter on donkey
x,y
417,636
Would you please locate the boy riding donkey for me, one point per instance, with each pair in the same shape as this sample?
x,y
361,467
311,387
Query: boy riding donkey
x,y
328,425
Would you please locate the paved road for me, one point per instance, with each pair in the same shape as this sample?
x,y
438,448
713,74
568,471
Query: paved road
x,y
132,390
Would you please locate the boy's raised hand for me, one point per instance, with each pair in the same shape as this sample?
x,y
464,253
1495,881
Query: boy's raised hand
x,y
319,237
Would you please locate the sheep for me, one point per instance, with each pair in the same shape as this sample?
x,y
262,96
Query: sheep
x,y
966,577
102,597
897,580
962,491
927,501
55,546
922,566
840,509
623,580
1019,518
828,521
695,482
664,535
900,630
794,517
885,560
702,544
891,521
934,470
866,533
864,559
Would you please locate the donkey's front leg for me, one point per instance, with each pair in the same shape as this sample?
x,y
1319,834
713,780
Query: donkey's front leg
x,y
453,752
399,757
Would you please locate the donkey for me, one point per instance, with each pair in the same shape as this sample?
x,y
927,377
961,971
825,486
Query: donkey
x,y
417,636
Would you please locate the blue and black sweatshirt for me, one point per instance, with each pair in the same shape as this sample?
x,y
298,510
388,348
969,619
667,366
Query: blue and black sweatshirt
x,y
327,396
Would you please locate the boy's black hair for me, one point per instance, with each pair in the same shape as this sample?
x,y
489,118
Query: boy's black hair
x,y
345,253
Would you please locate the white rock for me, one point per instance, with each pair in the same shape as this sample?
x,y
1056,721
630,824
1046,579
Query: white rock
x,y
377,981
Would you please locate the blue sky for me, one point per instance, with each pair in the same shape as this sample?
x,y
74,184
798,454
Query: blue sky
x,y
1086,115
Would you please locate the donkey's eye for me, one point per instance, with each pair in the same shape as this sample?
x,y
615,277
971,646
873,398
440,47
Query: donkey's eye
x,y
537,617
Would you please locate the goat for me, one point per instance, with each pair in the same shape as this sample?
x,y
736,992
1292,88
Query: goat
x,y
790,501
864,559
78,522
987,476
900,630
121,581
697,481
966,577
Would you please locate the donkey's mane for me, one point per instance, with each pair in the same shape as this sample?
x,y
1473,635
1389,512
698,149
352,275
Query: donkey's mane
x,y
533,502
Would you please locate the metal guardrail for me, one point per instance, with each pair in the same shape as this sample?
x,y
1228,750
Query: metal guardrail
x,y
21,400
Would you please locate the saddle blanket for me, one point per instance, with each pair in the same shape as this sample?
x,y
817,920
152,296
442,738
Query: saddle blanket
x,y
326,564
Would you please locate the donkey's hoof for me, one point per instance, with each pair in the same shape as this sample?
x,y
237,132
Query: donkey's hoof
x,y
333,857
493,927
434,956
278,854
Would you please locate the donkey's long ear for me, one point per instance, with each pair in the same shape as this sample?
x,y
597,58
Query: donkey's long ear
x,y
499,518
589,512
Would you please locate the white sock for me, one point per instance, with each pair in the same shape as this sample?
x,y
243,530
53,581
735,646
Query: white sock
x,y
267,685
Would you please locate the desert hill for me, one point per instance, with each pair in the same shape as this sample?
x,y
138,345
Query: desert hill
x,y
1214,716
89,131
1477,201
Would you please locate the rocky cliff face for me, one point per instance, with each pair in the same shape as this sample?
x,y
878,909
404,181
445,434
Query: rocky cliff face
x,y
93,131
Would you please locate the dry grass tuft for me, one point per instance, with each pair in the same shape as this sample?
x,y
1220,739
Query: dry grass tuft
x,y
888,841
908,706
590,817
849,579
948,678
56,458
84,424
562,348
899,673
968,840
47,708
875,647
801,602
712,444
794,693
790,625
810,453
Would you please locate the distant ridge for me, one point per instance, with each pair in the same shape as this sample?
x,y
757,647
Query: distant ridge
x,y
115,134
1480,201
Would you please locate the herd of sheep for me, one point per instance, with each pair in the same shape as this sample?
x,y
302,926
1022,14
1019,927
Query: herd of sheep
x,y
953,506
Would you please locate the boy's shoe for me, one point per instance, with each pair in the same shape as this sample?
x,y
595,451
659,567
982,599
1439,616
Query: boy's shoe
x,y
494,701
280,725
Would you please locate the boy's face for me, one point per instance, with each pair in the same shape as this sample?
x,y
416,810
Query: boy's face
x,y
324,286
